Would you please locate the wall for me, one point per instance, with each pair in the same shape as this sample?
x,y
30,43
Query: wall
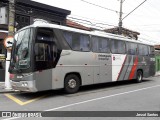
x,y
157,63
2,62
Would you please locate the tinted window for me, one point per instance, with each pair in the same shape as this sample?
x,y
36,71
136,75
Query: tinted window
x,y
132,48
100,45
151,50
78,42
45,49
118,47
143,50
22,49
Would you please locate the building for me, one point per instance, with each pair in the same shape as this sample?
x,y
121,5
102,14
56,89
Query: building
x,y
125,32
70,23
157,57
26,12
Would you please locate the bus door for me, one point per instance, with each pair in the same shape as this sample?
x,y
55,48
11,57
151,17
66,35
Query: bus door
x,y
45,51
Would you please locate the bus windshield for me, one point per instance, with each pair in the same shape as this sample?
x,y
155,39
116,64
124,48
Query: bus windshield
x,y
21,50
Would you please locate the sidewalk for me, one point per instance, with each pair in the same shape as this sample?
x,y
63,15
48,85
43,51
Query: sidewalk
x,y
2,88
157,73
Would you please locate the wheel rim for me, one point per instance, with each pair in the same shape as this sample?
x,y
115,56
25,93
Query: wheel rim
x,y
72,83
139,77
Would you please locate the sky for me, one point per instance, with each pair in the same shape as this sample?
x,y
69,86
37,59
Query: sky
x,y
145,19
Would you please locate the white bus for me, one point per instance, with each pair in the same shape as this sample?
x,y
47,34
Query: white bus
x,y
48,56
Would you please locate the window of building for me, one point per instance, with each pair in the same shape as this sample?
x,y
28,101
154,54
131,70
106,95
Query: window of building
x,y
143,50
118,47
100,44
132,48
78,42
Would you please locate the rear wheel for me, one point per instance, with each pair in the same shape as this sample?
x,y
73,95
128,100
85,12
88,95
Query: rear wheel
x,y
139,76
71,83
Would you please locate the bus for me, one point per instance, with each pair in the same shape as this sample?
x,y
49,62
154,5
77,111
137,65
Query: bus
x,y
48,56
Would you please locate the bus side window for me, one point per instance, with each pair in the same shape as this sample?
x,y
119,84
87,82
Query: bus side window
x,y
118,47
132,48
100,45
151,50
84,43
104,45
95,46
77,41
143,50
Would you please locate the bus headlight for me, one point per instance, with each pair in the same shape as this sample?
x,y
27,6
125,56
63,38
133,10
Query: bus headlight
x,y
22,84
25,84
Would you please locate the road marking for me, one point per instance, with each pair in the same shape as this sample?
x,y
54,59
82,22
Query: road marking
x,y
95,99
91,100
23,103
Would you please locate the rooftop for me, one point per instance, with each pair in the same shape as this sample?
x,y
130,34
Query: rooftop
x,y
40,6
77,25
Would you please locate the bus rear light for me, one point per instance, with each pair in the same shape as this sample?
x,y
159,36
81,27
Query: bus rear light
x,y
11,76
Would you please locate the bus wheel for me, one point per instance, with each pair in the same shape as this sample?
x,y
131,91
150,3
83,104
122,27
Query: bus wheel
x,y
71,83
139,76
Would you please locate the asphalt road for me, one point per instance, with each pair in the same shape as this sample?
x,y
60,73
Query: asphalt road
x,y
119,96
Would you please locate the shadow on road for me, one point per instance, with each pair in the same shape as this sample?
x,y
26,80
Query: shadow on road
x,y
84,89
112,85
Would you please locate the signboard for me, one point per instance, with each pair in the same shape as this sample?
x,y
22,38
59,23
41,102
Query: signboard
x,y
3,15
2,57
8,42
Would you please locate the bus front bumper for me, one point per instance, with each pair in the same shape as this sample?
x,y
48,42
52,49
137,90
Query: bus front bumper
x,y
28,86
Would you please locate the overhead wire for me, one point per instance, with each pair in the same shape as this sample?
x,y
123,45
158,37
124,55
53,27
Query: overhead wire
x,y
91,19
91,23
134,9
100,6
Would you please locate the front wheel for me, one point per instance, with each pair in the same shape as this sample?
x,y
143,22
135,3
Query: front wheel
x,y
139,76
71,83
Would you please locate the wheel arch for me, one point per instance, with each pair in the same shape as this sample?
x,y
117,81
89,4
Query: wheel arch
x,y
75,73
140,70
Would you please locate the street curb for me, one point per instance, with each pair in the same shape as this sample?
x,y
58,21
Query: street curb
x,y
3,90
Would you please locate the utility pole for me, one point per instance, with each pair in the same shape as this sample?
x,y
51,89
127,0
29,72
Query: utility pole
x,y
11,18
120,18
11,11
120,14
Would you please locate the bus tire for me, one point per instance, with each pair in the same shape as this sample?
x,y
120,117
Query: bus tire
x,y
139,76
71,83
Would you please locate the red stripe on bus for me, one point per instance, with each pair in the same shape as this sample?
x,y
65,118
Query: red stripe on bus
x,y
133,69
122,67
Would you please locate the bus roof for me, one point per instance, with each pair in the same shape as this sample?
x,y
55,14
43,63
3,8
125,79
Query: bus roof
x,y
94,33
